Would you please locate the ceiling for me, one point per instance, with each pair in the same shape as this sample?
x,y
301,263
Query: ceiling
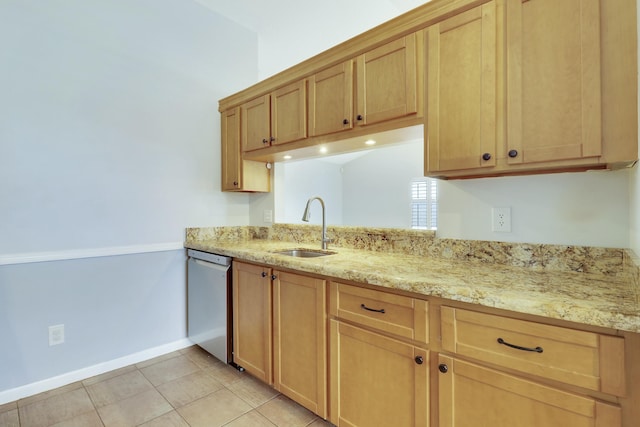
x,y
261,15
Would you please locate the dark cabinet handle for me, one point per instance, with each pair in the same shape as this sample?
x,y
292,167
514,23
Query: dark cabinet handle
x,y
274,277
517,347
265,141
235,183
345,122
360,117
419,360
272,139
486,156
263,274
443,368
372,309
513,153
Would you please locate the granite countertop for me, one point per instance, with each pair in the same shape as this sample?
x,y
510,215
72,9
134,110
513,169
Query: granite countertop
x,y
609,301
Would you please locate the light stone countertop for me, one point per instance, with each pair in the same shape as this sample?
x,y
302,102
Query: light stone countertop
x,y
609,301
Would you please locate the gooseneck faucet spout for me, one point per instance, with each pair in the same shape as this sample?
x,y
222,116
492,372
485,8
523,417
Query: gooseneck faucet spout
x,y
307,214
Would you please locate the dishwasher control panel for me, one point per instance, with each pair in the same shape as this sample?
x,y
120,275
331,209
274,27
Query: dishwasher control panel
x,y
206,256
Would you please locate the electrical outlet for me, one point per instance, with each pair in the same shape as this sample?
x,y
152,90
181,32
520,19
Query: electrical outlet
x,y
267,216
501,220
56,335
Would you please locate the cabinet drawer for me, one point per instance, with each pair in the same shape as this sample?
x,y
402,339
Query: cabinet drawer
x,y
584,359
395,314
473,395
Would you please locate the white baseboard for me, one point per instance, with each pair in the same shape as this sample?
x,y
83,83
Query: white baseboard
x,y
13,394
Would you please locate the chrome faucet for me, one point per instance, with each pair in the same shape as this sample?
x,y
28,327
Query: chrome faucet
x,y
307,214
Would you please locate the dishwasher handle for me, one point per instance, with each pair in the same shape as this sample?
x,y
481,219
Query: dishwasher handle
x,y
209,265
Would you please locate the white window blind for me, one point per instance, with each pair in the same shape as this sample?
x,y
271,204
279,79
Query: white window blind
x,y
424,203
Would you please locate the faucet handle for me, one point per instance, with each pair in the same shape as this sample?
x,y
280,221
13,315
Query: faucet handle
x,y
325,241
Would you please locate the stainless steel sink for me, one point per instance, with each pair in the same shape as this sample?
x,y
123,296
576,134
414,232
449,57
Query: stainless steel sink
x,y
305,253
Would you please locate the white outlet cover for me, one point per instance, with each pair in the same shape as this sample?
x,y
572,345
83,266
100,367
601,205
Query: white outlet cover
x,y
56,335
501,220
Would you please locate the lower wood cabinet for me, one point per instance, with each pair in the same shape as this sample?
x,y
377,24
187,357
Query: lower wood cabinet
x,y
252,325
473,395
379,361
375,358
300,340
279,332
376,380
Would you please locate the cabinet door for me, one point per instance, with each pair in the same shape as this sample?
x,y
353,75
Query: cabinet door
x,y
387,82
461,130
471,395
331,100
553,80
300,350
230,143
289,113
238,174
252,327
377,381
256,123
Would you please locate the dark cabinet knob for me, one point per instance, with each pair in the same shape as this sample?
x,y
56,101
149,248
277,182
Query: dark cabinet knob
x,y
272,139
513,153
443,368
265,141
235,183
419,360
360,117
486,156
263,274
345,122
274,277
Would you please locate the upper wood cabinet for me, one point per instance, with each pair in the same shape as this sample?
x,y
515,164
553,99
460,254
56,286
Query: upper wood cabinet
x,y
239,174
529,86
331,100
553,80
461,131
386,81
275,118
501,86
386,88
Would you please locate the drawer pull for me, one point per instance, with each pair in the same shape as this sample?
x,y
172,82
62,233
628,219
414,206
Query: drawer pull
x,y
517,347
372,309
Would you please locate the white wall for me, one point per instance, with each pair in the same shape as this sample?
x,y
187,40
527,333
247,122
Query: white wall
x,y
302,32
584,208
589,208
299,181
110,127
376,186
110,139
110,306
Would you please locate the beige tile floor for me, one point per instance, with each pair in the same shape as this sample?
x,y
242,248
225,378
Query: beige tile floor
x,y
184,388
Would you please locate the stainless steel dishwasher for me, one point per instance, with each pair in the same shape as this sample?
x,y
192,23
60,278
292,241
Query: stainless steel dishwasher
x,y
209,303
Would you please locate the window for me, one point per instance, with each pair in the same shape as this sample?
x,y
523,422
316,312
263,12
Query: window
x,y
424,203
